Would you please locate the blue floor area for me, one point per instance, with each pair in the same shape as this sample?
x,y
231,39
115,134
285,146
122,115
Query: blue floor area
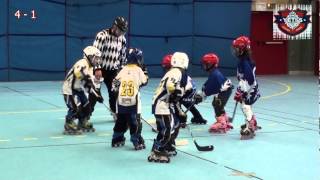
x,y
32,146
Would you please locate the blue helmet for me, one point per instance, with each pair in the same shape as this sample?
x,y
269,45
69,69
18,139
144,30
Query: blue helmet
x,y
134,56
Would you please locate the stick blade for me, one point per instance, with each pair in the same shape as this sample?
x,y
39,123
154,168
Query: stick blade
x,y
203,148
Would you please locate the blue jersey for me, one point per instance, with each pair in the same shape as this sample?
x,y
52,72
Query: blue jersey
x,y
246,75
216,83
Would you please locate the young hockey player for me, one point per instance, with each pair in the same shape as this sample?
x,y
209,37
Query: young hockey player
x,y
187,98
247,91
128,105
75,91
168,95
221,88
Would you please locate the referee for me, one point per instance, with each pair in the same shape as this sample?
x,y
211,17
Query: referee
x,y
112,43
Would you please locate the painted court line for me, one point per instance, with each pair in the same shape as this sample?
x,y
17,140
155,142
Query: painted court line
x,y
30,138
48,110
32,97
249,175
80,136
287,90
4,140
56,137
103,134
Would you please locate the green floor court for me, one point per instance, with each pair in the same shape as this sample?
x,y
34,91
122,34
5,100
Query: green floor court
x,y
32,146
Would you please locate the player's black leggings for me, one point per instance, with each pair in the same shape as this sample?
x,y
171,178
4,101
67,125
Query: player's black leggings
x,y
220,101
108,76
164,126
196,114
133,121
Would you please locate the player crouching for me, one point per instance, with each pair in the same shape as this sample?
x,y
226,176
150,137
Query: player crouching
x,y
76,87
126,85
219,86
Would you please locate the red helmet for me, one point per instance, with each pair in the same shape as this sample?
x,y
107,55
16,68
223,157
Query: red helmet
x,y
242,43
166,61
209,61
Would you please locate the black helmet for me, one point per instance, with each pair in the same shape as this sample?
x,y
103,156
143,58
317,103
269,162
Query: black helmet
x,y
135,56
121,23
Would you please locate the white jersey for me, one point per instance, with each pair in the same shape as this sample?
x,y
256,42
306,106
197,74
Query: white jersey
x,y
75,77
131,78
168,84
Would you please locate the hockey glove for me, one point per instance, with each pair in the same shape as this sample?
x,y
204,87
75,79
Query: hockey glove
x,y
198,98
238,96
100,99
175,96
144,69
182,116
115,85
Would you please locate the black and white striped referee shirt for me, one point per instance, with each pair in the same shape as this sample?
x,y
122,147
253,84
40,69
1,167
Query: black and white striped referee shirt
x,y
113,49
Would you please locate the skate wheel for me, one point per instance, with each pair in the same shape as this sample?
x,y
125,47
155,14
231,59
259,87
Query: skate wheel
x,y
149,159
247,137
217,131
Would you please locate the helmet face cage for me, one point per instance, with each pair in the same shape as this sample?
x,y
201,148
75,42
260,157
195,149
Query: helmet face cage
x,y
241,46
93,55
96,61
135,56
117,31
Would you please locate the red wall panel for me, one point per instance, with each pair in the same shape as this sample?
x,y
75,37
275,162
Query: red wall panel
x,y
270,56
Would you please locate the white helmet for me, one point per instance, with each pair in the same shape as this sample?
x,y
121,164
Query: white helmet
x,y
180,60
93,55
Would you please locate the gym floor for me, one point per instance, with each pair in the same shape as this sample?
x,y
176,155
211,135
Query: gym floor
x,y
32,146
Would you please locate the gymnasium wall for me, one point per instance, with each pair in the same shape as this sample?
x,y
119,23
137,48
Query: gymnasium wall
x,y
49,35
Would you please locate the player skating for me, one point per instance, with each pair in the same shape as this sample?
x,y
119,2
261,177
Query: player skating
x,y
247,91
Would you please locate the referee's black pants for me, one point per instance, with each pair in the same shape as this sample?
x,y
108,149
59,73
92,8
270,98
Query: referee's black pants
x,y
108,76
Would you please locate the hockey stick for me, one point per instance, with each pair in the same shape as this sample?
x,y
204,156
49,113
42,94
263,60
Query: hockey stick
x,y
153,129
200,148
233,113
188,109
107,106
